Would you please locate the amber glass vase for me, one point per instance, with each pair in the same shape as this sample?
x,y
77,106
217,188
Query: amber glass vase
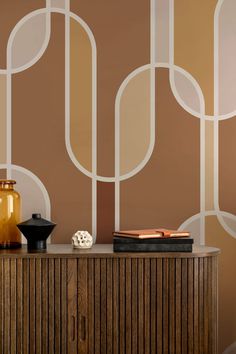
x,y
10,207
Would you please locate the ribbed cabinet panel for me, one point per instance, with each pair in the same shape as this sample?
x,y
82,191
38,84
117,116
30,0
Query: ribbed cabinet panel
x,y
34,306
108,305
153,305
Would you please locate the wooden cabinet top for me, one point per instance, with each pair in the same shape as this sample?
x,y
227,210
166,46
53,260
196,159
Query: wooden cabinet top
x,y
103,251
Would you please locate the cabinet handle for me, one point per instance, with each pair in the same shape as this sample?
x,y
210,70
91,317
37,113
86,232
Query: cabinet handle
x,y
73,327
82,327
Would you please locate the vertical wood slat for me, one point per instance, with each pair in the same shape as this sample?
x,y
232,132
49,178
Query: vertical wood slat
x,y
178,323
165,304
51,309
97,308
82,307
72,308
44,297
103,304
196,306
19,305
32,316
171,306
159,314
140,306
140,296
91,291
210,309
63,293
38,305
214,319
147,305
13,305
115,306
190,308
26,306
200,305
128,307
6,328
205,305
122,292
109,319
134,306
57,308
184,305
153,304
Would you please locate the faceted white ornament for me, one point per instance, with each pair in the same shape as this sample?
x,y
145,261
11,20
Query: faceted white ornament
x,y
82,239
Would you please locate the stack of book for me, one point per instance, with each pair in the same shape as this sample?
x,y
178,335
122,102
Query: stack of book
x,y
152,240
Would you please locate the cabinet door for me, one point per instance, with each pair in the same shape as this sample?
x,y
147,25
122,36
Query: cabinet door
x,y
152,305
77,305
33,310
43,306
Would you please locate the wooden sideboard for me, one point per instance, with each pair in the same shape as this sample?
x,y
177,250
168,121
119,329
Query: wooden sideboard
x,y
96,301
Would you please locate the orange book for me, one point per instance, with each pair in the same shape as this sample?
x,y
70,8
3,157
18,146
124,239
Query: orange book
x,y
151,233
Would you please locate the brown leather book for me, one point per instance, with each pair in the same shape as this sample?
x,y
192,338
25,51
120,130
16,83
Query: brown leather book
x,y
151,233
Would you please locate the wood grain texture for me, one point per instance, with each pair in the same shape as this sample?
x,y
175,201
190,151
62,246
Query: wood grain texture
x,y
134,306
72,308
109,318
64,307
57,305
91,286
32,307
26,306
140,308
19,305
104,251
38,304
82,307
122,309
115,306
110,305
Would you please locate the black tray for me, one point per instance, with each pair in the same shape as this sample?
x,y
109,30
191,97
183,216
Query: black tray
x,y
126,244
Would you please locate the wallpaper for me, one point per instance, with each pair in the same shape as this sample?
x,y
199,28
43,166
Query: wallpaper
x,y
122,114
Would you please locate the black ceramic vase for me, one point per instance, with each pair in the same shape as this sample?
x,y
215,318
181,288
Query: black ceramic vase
x,y
36,231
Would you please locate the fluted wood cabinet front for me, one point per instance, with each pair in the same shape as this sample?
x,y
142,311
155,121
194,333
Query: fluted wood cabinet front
x,y
71,302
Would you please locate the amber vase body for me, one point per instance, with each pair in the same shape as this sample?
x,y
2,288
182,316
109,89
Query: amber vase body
x,y
10,210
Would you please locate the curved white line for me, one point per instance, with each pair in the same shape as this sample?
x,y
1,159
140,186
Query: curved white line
x,y
37,181
197,87
43,47
216,122
148,154
140,166
206,213
202,120
188,221
230,349
196,217
119,94
9,72
94,94
92,174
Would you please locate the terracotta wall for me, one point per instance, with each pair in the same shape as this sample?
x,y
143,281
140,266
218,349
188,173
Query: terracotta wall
x,y
121,114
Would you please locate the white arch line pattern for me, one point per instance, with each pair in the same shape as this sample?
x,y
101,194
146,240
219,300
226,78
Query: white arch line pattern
x,y
197,216
215,118
190,77
120,92
216,121
202,120
8,72
37,181
16,28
